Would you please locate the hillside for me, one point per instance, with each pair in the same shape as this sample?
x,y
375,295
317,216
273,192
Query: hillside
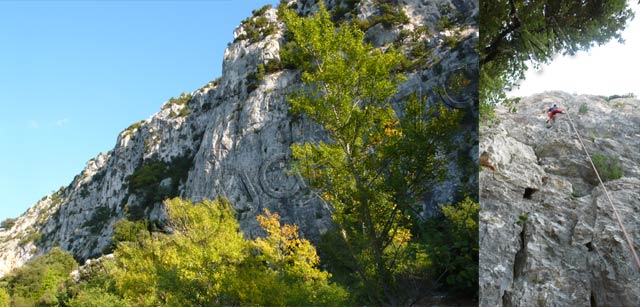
x,y
548,235
232,137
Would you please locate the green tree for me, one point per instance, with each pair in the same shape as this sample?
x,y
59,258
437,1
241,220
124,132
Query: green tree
x,y
207,262
96,297
453,245
283,270
37,282
4,298
186,268
94,284
515,34
369,170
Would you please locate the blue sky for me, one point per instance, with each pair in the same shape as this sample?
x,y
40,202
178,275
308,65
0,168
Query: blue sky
x,y
74,74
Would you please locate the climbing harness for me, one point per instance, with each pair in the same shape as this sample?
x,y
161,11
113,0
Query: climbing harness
x,y
624,231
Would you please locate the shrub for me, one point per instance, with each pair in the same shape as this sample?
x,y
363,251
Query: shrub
x,y
184,112
8,223
212,83
38,281
272,66
96,297
132,128
56,197
129,231
99,175
257,26
261,11
4,297
629,95
390,16
254,78
583,109
31,236
183,100
454,246
98,220
145,182
609,168
207,255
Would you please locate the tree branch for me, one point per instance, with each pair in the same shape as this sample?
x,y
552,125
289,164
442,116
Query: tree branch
x,y
493,49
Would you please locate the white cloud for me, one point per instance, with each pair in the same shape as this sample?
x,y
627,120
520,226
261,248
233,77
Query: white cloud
x,y
62,122
606,70
33,124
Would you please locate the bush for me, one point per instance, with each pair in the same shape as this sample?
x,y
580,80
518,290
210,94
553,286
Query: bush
x,y
56,197
31,236
145,182
390,16
96,297
583,109
8,223
208,256
37,283
261,11
254,78
132,128
454,246
257,26
341,8
629,95
183,100
609,168
4,297
98,220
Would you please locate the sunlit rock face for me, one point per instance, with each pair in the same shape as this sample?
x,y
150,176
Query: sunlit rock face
x,y
548,235
232,139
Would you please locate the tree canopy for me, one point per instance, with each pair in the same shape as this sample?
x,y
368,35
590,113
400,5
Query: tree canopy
x,y
206,261
515,34
376,165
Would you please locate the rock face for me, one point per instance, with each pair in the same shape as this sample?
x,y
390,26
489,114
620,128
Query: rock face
x,y
548,235
231,138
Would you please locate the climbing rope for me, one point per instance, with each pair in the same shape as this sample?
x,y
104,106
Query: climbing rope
x,y
615,211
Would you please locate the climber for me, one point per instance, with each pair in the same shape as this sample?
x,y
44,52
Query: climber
x,y
552,112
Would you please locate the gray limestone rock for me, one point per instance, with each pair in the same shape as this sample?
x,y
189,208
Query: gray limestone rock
x,y
548,236
231,139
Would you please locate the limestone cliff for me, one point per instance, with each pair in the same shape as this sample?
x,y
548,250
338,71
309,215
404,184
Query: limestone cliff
x,y
231,138
548,236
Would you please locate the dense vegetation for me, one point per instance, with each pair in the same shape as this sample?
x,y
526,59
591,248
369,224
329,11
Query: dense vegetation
x,y
374,171
609,168
517,34
204,262
38,283
377,167
146,182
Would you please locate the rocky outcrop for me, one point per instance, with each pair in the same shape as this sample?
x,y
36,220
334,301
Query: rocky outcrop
x,y
231,138
548,235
